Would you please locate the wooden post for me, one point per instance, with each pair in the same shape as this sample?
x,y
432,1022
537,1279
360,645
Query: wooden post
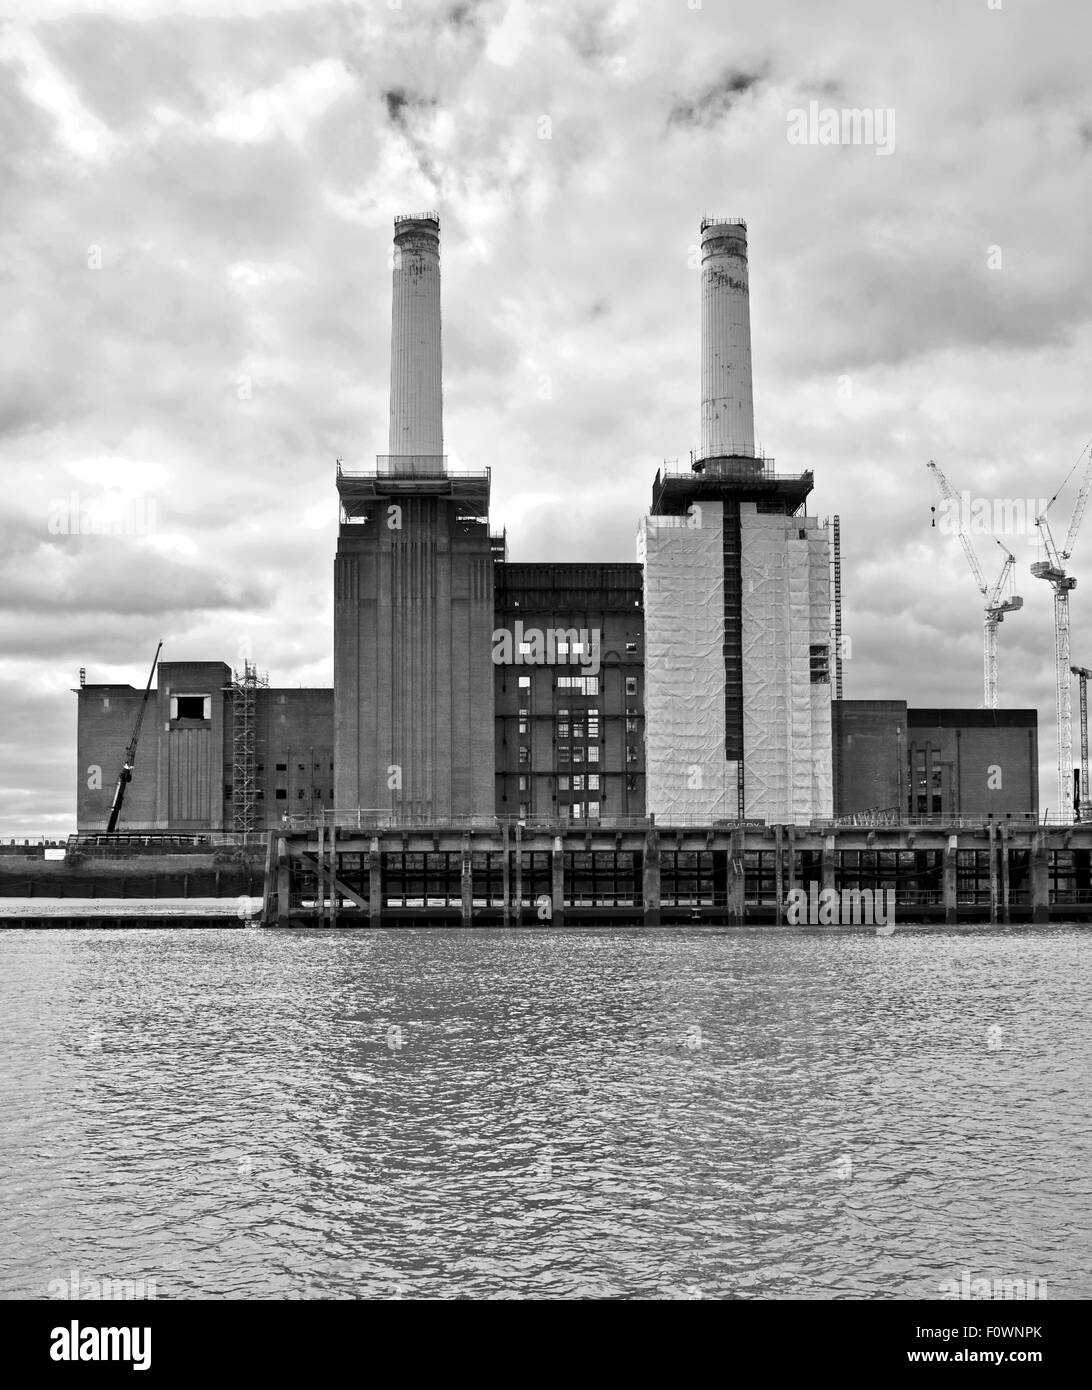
x,y
519,874
320,877
506,872
1003,849
466,884
1040,879
827,863
557,865
284,882
375,884
650,878
736,879
951,881
267,882
335,866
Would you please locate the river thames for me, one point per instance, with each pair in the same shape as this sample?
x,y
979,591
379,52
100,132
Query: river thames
x,y
545,1114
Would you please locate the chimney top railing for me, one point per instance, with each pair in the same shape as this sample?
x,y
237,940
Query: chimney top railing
x,y
723,222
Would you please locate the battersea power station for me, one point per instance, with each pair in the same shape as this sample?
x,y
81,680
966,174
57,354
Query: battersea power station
x,y
667,733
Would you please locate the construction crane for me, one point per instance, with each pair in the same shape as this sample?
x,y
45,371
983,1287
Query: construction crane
x,y
126,774
995,607
1052,569
1084,808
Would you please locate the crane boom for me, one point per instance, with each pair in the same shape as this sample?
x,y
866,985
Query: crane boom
x,y
952,498
126,774
1078,509
995,606
994,595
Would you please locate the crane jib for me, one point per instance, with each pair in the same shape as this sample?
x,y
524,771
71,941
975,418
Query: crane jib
x,y
125,776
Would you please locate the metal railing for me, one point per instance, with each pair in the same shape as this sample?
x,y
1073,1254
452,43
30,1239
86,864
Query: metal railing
x,y
361,818
165,839
723,222
19,841
409,466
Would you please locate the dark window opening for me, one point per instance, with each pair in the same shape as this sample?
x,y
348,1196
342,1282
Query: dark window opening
x,y
191,707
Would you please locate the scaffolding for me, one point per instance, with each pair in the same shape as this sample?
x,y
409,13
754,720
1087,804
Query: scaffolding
x,y
834,525
244,779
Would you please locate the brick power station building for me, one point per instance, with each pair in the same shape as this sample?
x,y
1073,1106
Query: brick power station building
x,y
694,686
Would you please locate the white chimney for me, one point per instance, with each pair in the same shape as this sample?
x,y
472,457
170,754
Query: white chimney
x,y
417,430
727,405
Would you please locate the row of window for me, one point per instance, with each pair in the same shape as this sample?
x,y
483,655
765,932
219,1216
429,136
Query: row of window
x,y
582,685
281,794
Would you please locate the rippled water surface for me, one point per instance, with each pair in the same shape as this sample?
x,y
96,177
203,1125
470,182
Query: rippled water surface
x,y
614,1113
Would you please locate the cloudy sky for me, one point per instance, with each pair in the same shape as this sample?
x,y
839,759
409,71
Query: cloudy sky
x,y
195,281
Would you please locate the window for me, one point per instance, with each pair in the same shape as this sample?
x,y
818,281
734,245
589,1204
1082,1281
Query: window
x,y
593,752
587,685
578,730
631,725
593,810
282,795
523,726
593,781
522,783
820,665
563,783
525,682
299,794
563,753
563,728
191,706
523,810
524,754
282,767
631,646
631,753
578,755
578,782
576,810
593,723
631,685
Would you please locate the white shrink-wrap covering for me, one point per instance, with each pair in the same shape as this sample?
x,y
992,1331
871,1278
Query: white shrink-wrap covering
x,y
786,715
686,775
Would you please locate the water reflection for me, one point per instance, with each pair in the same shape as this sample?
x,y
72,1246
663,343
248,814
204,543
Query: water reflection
x,y
618,1114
